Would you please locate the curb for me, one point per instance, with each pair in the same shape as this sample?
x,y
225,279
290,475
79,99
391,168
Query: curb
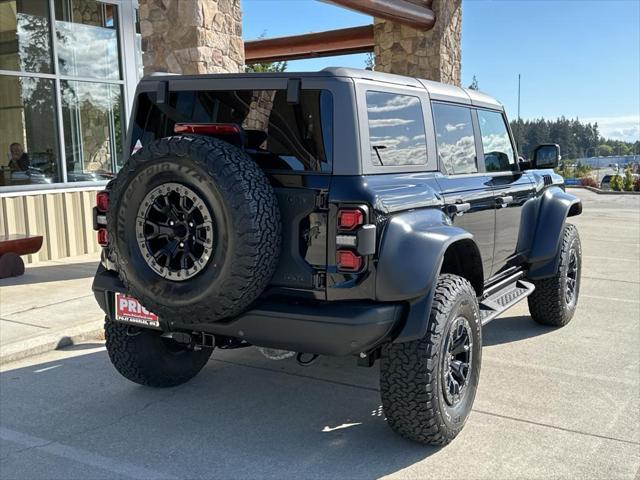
x,y
603,192
49,341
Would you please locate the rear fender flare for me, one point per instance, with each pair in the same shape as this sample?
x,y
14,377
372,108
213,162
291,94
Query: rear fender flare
x,y
412,251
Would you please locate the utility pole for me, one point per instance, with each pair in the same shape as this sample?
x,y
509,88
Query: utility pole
x,y
519,140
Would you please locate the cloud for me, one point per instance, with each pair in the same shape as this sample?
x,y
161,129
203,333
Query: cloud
x,y
388,122
398,102
623,127
451,128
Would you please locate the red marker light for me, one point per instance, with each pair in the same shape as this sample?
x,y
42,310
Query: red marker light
x,y
102,201
348,219
348,261
103,237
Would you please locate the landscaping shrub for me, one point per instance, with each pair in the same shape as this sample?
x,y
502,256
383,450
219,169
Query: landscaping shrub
x,y
616,183
636,185
627,183
588,182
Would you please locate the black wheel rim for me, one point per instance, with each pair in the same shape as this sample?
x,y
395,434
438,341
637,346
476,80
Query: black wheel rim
x,y
175,231
457,361
572,278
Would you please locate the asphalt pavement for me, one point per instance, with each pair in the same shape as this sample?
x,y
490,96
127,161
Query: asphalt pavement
x,y
552,403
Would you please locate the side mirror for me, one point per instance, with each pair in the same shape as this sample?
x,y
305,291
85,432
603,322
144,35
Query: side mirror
x,y
546,155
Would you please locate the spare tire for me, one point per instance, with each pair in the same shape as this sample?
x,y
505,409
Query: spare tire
x,y
194,228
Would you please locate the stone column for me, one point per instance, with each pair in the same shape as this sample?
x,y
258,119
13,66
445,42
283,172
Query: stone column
x,y
433,54
192,36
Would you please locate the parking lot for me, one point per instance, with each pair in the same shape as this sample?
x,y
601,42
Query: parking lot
x,y
551,403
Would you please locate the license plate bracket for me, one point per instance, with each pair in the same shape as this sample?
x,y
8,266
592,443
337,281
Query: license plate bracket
x,y
129,310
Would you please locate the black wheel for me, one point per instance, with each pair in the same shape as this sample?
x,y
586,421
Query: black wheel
x,y
194,228
143,357
555,299
428,385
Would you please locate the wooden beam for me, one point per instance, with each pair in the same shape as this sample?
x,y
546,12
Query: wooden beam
x,y
310,45
415,13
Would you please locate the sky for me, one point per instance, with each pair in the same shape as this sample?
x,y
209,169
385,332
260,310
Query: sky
x,y
577,58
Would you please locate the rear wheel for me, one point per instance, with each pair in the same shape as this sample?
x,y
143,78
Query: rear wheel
x,y
555,299
428,385
143,356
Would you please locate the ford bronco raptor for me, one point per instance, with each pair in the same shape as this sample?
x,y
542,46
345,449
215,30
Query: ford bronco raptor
x,y
340,212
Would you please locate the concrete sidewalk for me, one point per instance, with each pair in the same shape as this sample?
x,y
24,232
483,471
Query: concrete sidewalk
x,y
50,306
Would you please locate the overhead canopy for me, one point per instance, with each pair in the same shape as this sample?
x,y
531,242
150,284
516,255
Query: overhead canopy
x,y
415,13
322,44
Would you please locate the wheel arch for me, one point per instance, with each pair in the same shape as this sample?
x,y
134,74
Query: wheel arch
x,y
416,247
555,207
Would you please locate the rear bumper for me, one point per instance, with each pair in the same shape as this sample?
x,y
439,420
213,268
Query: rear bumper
x,y
324,328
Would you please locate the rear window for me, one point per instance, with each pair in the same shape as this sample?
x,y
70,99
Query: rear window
x,y
279,136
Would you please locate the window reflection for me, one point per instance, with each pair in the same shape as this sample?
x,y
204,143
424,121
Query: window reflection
x,y
87,33
92,114
28,144
24,36
396,129
454,135
498,152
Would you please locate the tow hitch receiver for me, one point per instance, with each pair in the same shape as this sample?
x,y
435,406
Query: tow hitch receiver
x,y
196,340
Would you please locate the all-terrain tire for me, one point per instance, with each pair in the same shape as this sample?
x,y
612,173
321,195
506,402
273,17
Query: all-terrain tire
x,y
411,373
142,356
246,228
549,304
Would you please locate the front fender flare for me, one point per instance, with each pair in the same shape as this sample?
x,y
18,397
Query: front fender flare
x,y
555,206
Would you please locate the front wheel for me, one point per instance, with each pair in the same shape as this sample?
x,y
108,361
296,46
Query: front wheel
x,y
428,385
555,299
143,356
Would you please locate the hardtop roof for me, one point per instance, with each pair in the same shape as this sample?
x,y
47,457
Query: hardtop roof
x,y
436,90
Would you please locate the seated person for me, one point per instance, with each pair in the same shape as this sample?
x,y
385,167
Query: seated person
x,y
19,161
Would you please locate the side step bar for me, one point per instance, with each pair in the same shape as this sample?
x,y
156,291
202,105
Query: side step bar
x,y
506,297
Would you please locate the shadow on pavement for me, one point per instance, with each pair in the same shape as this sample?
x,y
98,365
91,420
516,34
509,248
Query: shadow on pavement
x,y
512,329
242,417
52,273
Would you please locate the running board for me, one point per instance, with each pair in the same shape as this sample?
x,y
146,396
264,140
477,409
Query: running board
x,y
504,299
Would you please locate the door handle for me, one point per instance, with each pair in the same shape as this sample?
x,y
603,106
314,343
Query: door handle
x,y
457,209
504,200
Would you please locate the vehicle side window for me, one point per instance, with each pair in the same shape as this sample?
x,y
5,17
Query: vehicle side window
x,y
454,136
498,151
396,129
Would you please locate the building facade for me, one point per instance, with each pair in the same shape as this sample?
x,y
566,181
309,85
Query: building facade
x,y
68,73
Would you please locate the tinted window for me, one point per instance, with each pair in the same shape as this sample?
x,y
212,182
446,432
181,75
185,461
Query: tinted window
x,y
498,152
279,136
396,129
454,136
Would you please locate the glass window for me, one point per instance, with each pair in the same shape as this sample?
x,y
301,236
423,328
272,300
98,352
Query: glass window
x,y
28,139
498,151
454,136
279,136
87,33
25,38
396,129
92,115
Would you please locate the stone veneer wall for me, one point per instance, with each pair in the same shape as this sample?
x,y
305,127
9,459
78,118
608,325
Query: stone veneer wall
x,y
192,36
433,54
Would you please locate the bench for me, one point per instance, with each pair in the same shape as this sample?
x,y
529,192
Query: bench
x,y
11,247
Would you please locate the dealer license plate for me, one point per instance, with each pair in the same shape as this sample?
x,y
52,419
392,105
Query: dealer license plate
x,y
129,310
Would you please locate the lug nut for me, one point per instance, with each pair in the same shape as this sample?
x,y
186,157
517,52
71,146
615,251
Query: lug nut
x,y
171,223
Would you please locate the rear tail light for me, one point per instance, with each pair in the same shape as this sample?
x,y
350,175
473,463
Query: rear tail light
x,y
348,261
103,237
102,201
350,218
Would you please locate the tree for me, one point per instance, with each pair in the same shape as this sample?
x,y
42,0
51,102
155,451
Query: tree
x,y
370,61
616,183
604,150
267,67
474,84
